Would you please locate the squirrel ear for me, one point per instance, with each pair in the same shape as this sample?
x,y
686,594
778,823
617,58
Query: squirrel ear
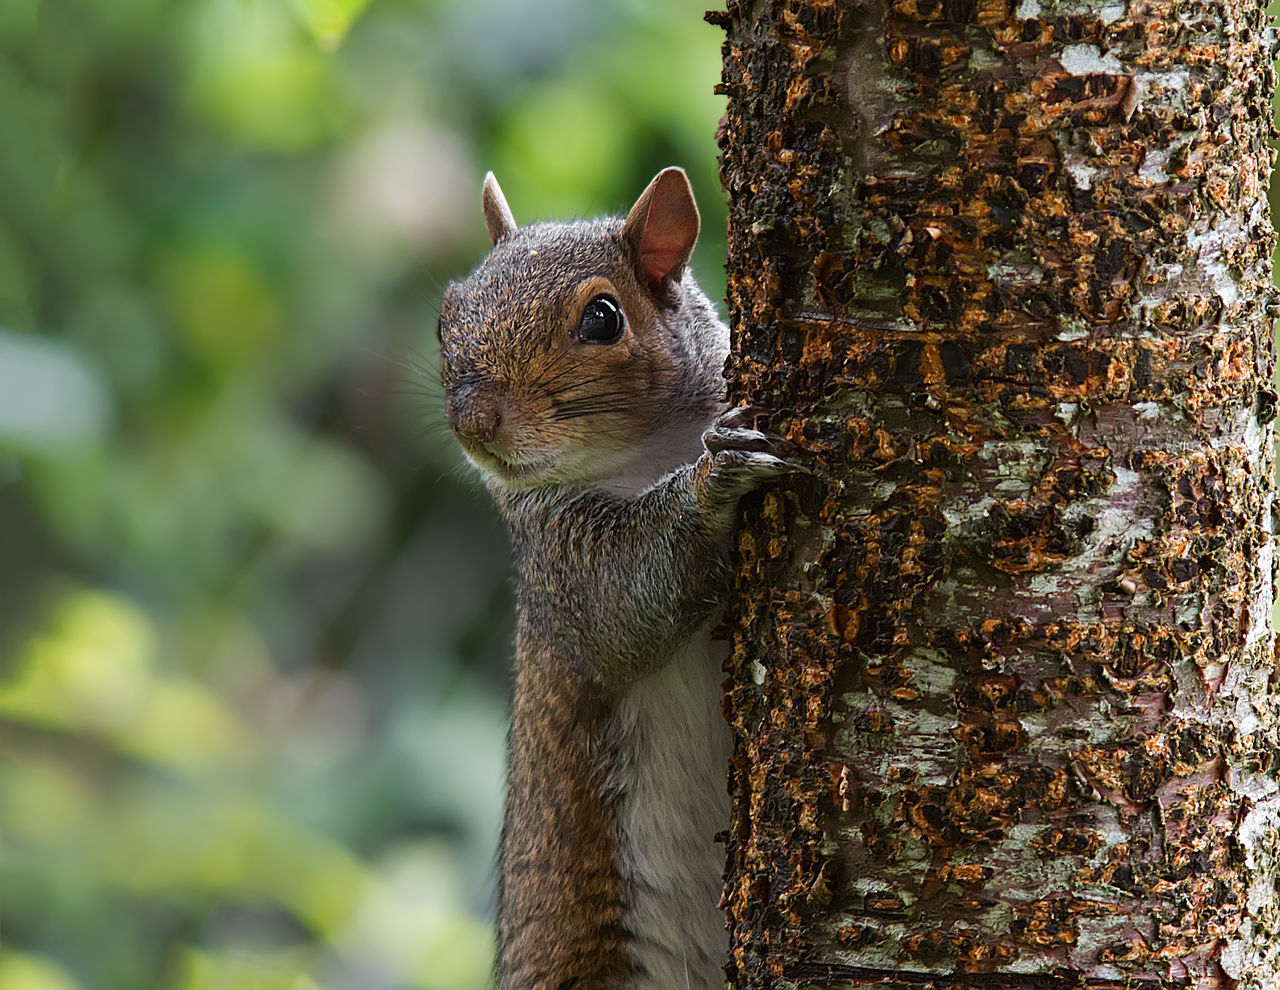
x,y
663,226
497,214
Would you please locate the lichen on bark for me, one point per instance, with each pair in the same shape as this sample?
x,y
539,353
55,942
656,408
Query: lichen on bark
x,y
1002,669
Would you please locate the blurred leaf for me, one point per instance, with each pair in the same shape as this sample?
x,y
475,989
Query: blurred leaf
x,y
90,669
562,146
17,305
93,670
49,398
330,20
18,18
210,971
225,841
255,78
410,921
24,972
322,496
183,725
224,307
45,801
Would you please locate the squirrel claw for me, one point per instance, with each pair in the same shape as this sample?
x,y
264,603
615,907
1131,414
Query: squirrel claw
x,y
730,474
736,416
734,430
716,439
720,437
738,458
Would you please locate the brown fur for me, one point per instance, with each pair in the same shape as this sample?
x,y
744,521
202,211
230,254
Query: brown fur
x,y
561,923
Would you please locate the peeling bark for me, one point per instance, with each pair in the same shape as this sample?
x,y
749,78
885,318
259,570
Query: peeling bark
x,y
1002,667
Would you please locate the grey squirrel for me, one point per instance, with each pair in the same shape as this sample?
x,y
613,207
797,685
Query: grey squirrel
x,y
582,370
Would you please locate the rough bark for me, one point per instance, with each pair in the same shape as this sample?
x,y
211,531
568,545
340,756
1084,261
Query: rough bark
x,y
1002,668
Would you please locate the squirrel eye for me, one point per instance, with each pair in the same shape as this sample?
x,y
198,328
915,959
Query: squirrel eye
x,y
601,321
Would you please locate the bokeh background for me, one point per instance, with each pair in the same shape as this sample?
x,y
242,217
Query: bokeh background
x,y
255,618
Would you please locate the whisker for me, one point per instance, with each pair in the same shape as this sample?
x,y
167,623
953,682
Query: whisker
x,y
658,389
423,365
545,380
412,388
416,372
617,400
434,431
434,281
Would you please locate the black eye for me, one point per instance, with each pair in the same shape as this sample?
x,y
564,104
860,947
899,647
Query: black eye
x,y
440,330
601,321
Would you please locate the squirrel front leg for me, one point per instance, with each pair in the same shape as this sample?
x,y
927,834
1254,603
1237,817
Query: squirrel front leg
x,y
616,582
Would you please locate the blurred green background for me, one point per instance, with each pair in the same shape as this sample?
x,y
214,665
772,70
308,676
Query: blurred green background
x,y
255,618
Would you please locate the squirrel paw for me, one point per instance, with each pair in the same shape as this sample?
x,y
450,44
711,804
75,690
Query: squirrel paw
x,y
737,459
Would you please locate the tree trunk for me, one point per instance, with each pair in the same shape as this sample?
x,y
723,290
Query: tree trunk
x,y
1002,669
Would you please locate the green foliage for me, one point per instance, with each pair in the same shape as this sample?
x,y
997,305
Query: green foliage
x,y
255,619
330,20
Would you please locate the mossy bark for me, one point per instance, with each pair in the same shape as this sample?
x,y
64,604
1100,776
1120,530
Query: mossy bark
x,y
1003,662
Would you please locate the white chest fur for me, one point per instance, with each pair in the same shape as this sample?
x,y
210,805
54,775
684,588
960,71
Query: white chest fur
x,y
673,801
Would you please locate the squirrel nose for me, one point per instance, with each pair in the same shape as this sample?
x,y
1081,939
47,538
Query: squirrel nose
x,y
474,415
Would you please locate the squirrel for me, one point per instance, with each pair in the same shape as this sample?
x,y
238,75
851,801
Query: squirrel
x,y
583,375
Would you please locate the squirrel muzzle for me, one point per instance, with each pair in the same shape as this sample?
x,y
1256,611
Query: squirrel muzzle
x,y
475,414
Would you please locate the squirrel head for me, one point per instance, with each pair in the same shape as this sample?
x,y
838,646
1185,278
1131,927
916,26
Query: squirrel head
x,y
574,345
